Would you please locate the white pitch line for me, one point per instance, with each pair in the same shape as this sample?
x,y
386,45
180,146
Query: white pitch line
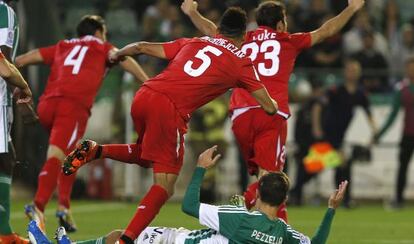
x,y
80,209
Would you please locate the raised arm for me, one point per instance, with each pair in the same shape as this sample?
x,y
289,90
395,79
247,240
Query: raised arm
x,y
335,200
334,25
191,202
31,57
206,26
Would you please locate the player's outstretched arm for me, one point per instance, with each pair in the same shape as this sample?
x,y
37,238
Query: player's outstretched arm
x,y
131,66
154,49
334,25
191,202
266,102
31,57
12,76
206,26
334,201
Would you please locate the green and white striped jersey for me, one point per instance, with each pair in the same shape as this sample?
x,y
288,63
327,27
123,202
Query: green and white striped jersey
x,y
9,36
241,226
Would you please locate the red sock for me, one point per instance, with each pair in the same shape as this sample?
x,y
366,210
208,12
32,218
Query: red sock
x,y
282,212
122,152
65,185
147,210
47,181
250,195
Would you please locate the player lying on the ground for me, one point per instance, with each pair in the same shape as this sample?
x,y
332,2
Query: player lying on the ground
x,y
226,222
273,50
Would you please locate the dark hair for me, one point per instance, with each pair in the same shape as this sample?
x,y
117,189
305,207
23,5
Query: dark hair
x,y
273,188
233,22
8,1
269,13
89,24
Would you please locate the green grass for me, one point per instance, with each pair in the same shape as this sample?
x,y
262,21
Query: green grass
x,y
366,224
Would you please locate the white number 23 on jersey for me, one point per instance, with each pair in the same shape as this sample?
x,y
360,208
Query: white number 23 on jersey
x,y
75,58
271,51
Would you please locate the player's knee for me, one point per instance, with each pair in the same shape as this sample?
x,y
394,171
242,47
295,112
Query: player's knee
x,y
55,152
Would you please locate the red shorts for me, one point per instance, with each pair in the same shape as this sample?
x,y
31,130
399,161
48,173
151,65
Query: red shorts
x,y
261,139
65,121
160,131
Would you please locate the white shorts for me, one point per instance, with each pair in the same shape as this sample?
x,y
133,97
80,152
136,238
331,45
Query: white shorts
x,y
165,235
6,120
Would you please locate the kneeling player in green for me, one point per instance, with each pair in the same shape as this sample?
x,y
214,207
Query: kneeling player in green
x,y
228,223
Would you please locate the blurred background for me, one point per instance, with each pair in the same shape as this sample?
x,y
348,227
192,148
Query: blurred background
x,y
380,37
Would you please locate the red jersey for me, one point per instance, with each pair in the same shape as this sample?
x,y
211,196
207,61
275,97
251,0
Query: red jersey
x,y
273,54
202,69
77,68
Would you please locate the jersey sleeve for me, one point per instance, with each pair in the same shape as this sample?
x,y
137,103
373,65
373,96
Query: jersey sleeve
x,y
6,26
301,40
295,237
107,48
171,48
249,79
208,216
48,54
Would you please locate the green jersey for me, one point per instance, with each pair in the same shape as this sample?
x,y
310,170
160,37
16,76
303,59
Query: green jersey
x,y
242,226
238,225
9,37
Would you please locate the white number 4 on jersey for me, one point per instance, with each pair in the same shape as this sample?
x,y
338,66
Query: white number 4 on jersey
x,y
75,58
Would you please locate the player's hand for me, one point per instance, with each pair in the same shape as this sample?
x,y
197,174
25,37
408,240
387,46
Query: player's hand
x,y
189,6
115,57
336,198
207,159
356,4
23,96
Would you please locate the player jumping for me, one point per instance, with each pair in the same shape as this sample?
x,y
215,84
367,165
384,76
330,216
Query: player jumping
x,y
200,70
227,224
273,50
78,67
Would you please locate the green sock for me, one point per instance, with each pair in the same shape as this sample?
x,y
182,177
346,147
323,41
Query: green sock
x,y
5,182
100,240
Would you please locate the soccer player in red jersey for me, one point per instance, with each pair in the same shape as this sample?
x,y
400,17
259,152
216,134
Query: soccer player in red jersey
x,y
273,50
200,70
78,67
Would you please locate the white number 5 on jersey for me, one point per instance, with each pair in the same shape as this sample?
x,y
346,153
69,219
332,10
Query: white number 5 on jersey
x,y
75,58
195,72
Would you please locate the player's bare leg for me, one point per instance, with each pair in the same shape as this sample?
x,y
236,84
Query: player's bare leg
x,y
150,205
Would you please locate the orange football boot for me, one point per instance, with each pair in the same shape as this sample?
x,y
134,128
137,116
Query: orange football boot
x,y
85,152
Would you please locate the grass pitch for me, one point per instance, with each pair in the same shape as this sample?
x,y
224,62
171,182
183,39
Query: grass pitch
x,y
366,225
